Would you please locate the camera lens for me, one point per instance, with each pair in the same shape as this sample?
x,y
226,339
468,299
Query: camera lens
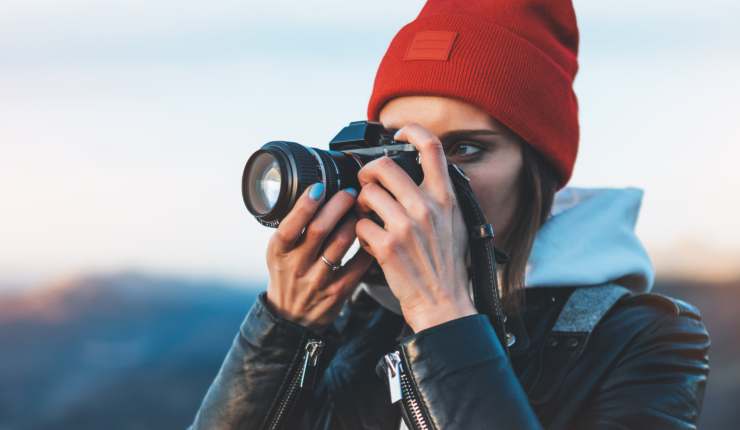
x,y
278,173
264,182
275,176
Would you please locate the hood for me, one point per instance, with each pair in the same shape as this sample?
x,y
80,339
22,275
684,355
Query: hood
x,y
587,240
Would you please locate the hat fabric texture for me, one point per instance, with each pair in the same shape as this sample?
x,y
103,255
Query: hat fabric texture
x,y
514,59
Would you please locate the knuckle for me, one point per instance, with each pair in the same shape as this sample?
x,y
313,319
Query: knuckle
x,y
363,173
269,255
387,247
278,238
303,210
370,169
295,272
336,246
346,199
366,192
385,162
404,227
362,196
370,188
316,231
334,290
361,228
447,200
429,143
411,126
314,279
340,204
421,211
345,238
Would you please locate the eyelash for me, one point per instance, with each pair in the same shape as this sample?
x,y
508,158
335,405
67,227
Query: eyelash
x,y
457,146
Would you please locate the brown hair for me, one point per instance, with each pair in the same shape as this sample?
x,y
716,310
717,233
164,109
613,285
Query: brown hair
x,y
537,186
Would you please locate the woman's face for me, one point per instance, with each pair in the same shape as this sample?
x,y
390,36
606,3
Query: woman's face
x,y
487,151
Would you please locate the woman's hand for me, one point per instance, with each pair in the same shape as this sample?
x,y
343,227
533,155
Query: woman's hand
x,y
302,287
423,244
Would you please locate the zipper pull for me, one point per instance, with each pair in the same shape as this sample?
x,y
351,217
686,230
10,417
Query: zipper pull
x,y
310,358
393,371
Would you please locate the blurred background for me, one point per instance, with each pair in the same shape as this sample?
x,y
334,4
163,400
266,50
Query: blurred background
x,y
127,259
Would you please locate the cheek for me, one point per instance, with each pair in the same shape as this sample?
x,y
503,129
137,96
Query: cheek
x,y
495,183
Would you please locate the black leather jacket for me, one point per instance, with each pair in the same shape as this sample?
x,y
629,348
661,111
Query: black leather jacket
x,y
644,366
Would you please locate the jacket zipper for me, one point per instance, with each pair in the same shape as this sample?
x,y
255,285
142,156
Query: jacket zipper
x,y
402,389
300,374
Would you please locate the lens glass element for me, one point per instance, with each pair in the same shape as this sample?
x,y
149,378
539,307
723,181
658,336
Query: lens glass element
x,y
264,183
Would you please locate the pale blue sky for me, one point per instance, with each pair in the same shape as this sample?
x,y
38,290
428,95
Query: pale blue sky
x,y
124,125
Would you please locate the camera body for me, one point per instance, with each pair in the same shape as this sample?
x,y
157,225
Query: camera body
x,y
279,172
363,137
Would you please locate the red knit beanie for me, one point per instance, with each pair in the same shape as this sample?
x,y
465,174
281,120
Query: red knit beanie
x,y
514,59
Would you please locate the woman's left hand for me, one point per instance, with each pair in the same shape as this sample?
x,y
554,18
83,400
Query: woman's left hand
x,y
423,244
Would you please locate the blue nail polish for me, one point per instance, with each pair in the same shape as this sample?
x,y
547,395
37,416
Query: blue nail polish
x,y
316,191
351,191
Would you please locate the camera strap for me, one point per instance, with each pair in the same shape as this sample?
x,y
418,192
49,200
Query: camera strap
x,y
483,255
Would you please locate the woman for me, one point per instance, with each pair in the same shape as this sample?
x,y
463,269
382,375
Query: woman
x,y
487,87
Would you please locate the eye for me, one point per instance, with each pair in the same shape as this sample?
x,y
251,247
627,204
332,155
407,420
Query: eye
x,y
464,149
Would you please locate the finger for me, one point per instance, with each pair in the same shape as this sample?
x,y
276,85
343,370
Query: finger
x,y
292,225
371,236
325,221
352,272
393,178
432,157
373,198
336,247
347,279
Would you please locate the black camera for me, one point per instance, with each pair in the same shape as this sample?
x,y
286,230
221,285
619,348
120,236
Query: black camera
x,y
279,172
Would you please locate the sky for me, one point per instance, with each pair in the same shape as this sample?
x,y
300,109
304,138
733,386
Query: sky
x,y
125,125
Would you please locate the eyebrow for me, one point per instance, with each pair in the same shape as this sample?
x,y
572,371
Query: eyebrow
x,y
451,136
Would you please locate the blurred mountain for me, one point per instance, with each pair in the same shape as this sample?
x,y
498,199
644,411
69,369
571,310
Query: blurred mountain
x,y
124,351
135,351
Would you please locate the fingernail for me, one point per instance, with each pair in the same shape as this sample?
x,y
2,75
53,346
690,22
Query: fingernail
x,y
351,191
316,191
395,135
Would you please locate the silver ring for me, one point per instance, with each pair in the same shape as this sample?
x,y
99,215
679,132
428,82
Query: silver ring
x,y
333,266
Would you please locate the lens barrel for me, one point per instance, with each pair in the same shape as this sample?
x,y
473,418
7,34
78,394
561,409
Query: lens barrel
x,y
279,172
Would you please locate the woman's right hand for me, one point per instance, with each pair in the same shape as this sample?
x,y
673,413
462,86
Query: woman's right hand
x,y
302,287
